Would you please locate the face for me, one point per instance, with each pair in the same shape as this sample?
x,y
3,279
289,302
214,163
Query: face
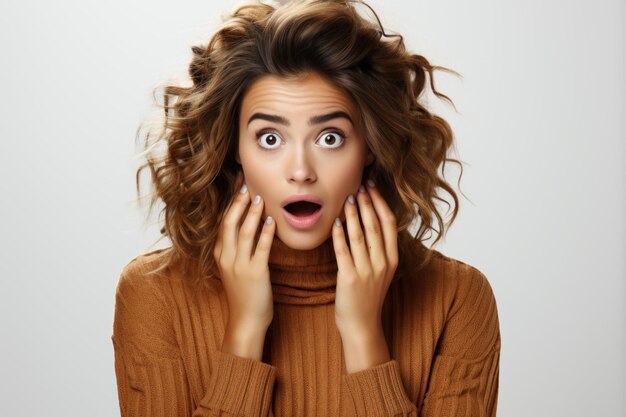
x,y
301,136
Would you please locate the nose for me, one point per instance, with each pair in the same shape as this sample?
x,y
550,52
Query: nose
x,y
300,169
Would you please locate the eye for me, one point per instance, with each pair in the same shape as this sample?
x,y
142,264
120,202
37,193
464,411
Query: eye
x,y
333,138
271,138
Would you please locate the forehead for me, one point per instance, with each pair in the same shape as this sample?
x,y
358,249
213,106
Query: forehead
x,y
306,92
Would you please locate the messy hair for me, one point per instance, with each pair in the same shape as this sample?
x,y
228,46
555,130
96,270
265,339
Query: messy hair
x,y
195,170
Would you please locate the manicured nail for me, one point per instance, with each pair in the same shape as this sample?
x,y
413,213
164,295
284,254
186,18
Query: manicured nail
x,y
337,222
257,199
361,188
371,183
269,220
351,199
244,189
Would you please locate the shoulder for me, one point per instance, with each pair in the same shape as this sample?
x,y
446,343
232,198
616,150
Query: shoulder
x,y
452,299
472,322
159,276
143,268
461,282
464,275
143,279
430,267
143,308
452,286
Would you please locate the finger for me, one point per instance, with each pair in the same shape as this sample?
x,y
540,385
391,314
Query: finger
x,y
388,223
239,181
217,249
359,252
231,222
266,239
371,225
342,251
249,228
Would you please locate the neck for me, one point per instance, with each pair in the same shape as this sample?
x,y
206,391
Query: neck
x,y
303,276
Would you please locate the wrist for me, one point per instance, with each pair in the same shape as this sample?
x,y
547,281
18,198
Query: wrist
x,y
244,341
364,349
359,330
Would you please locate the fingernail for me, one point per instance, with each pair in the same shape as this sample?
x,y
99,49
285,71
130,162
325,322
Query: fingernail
x,y
257,199
351,199
371,183
361,188
337,222
244,189
269,220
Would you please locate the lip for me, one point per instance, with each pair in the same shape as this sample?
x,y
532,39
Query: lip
x,y
301,197
303,222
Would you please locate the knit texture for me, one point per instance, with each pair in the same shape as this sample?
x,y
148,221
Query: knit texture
x,y
440,322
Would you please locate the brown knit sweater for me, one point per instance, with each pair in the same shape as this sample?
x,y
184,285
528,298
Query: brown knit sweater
x,y
441,326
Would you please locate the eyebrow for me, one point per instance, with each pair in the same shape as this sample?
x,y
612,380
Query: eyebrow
x,y
312,121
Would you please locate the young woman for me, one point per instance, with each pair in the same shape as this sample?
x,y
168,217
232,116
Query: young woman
x,y
293,166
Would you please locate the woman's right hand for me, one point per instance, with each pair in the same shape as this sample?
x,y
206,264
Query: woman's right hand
x,y
244,271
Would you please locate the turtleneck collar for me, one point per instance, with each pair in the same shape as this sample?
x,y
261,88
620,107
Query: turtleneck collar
x,y
303,276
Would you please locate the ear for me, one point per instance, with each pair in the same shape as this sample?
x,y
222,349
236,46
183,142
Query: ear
x,y
237,157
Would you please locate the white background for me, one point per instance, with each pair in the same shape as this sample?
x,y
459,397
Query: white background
x,y
540,127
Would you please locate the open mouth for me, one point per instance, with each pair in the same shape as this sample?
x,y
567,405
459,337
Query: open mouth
x,y
302,208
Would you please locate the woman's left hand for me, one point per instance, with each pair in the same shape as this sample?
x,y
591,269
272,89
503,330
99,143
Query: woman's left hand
x,y
367,267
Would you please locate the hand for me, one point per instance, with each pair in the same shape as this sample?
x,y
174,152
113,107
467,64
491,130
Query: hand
x,y
366,268
245,275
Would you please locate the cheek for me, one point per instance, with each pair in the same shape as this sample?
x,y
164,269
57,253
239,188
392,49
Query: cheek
x,y
259,180
349,177
253,170
344,183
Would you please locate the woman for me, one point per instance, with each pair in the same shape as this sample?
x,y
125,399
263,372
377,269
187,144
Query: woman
x,y
294,165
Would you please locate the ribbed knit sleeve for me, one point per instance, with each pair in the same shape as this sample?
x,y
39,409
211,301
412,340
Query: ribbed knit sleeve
x,y
378,391
239,387
465,371
151,377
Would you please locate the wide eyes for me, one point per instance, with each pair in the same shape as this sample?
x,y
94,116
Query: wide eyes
x,y
269,140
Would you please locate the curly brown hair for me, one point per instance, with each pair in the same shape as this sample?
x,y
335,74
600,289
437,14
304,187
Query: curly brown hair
x,y
195,171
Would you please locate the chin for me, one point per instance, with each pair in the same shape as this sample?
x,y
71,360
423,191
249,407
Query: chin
x,y
302,240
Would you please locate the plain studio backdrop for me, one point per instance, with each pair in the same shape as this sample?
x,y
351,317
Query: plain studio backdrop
x,y
540,128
